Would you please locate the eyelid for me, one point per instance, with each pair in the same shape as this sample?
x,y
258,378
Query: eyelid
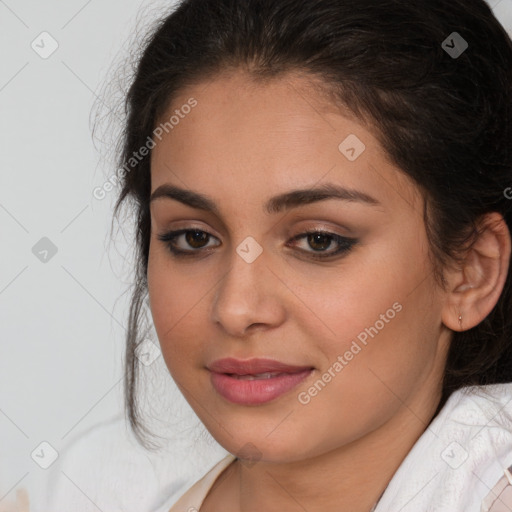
x,y
322,226
345,244
168,236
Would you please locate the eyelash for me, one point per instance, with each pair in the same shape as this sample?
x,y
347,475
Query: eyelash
x,y
346,244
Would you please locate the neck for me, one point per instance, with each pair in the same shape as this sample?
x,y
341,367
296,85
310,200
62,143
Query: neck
x,y
354,475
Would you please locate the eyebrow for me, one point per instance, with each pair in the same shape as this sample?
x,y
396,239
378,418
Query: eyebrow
x,y
276,204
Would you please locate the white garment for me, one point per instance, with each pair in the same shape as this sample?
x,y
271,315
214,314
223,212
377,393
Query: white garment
x,y
459,458
105,468
458,462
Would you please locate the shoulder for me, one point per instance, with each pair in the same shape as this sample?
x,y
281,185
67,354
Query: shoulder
x,y
106,466
192,500
461,456
499,498
496,462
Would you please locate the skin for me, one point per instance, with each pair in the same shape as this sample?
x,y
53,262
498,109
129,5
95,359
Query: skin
x,y
243,143
22,503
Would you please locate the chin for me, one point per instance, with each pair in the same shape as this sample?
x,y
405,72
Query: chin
x,y
253,445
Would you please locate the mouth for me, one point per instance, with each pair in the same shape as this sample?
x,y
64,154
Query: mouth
x,y
255,381
266,375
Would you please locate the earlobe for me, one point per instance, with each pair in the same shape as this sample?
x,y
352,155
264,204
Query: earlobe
x,y
475,287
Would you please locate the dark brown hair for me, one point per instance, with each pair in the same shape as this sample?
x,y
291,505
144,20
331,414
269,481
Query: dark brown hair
x,y
443,119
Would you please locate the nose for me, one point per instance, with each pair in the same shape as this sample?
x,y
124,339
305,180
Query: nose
x,y
248,297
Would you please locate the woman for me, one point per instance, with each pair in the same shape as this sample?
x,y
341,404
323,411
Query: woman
x,y
323,234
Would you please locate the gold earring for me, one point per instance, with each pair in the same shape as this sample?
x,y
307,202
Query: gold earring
x,y
460,321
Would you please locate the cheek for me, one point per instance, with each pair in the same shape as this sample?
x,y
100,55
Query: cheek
x,y
368,381
175,303
365,293
380,314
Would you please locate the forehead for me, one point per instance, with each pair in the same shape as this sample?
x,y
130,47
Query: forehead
x,y
270,135
234,103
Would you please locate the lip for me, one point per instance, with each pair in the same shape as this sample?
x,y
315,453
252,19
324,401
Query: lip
x,y
252,366
227,379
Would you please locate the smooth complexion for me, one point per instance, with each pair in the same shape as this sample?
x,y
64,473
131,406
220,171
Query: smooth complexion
x,y
244,144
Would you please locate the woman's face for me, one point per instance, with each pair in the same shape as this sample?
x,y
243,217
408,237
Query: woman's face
x,y
355,320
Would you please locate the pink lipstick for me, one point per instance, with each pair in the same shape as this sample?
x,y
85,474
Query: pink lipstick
x,y
255,381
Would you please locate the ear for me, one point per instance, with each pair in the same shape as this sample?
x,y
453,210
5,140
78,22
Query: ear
x,y
475,287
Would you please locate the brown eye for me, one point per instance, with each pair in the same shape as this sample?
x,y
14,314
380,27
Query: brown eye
x,y
194,242
319,241
196,239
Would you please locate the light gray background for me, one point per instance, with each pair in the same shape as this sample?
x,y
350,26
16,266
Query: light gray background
x,y
62,321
